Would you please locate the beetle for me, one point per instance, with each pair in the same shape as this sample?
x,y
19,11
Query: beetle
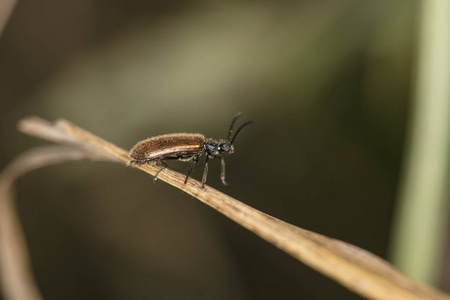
x,y
185,147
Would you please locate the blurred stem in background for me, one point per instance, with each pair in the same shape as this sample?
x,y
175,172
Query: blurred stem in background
x,y
6,8
421,217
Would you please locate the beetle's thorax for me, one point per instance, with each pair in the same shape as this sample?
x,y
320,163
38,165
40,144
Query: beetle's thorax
x,y
213,147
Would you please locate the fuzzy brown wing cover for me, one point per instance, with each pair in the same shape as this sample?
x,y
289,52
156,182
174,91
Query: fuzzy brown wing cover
x,y
168,146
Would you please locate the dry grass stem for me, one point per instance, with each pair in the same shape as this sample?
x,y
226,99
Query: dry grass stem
x,y
16,277
356,269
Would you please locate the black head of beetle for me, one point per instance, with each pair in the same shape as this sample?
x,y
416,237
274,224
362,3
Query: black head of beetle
x,y
224,147
214,148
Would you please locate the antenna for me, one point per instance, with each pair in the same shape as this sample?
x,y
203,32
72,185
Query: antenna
x,y
236,116
239,129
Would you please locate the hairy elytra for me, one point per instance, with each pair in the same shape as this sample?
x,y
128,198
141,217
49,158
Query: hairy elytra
x,y
185,147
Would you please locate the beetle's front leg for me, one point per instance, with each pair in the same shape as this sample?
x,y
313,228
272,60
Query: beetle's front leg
x,y
222,170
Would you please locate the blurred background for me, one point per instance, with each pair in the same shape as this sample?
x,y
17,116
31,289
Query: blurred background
x,y
328,83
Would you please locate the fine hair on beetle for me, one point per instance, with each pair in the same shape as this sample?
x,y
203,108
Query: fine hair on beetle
x,y
186,147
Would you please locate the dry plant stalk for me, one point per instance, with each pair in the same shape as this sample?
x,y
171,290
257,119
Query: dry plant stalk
x,y
16,278
355,268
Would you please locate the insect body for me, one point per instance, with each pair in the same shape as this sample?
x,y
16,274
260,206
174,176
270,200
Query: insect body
x,y
185,147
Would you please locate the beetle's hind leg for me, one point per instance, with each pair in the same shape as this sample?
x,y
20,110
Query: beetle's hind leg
x,y
191,167
138,162
162,169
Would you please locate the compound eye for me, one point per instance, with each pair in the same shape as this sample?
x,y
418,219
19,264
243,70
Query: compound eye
x,y
224,147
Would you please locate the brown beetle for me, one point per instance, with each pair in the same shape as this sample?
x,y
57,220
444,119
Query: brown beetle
x,y
185,147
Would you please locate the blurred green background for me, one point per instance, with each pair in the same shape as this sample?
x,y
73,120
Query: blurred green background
x,y
329,85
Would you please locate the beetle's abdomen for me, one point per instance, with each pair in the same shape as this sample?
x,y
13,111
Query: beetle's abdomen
x,y
168,146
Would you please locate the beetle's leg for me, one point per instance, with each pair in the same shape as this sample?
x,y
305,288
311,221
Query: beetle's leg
x,y
162,169
139,162
205,172
222,170
191,167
